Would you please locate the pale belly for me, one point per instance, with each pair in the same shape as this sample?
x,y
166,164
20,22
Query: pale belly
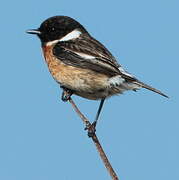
x,y
87,83
82,82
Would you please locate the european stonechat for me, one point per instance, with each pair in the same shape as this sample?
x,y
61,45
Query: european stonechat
x,y
81,64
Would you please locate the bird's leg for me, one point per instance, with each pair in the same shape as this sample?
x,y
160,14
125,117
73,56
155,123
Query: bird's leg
x,y
92,128
66,94
99,111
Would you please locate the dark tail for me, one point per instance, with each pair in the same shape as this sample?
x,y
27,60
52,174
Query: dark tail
x,y
143,85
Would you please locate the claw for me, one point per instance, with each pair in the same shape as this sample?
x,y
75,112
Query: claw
x,y
66,95
91,129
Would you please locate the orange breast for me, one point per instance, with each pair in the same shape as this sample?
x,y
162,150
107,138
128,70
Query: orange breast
x,y
78,79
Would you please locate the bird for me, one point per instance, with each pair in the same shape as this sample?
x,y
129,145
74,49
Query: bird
x,y
81,65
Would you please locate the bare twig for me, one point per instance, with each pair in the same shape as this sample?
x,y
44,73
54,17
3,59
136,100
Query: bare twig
x,y
97,143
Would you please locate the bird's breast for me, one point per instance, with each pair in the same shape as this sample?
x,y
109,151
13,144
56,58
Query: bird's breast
x,y
82,81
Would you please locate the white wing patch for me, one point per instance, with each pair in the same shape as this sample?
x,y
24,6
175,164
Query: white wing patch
x,y
124,72
85,56
72,35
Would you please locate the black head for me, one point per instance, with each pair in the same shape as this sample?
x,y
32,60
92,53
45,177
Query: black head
x,y
56,27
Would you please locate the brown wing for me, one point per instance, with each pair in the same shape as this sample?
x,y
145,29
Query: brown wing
x,y
86,52
91,46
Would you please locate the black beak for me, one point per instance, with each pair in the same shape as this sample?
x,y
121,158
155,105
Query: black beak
x,y
33,31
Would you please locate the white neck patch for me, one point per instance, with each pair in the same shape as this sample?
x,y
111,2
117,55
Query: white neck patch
x,y
72,35
50,43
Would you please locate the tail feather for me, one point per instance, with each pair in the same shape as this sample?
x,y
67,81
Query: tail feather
x,y
143,85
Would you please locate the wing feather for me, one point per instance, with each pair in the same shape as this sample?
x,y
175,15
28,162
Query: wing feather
x,y
86,52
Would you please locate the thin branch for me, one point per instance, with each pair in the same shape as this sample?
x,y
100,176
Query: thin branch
x,y
96,142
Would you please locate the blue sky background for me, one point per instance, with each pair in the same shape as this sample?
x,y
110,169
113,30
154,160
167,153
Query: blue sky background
x,y
41,137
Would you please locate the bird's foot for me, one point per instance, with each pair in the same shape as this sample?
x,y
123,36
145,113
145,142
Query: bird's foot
x,y
66,94
91,129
